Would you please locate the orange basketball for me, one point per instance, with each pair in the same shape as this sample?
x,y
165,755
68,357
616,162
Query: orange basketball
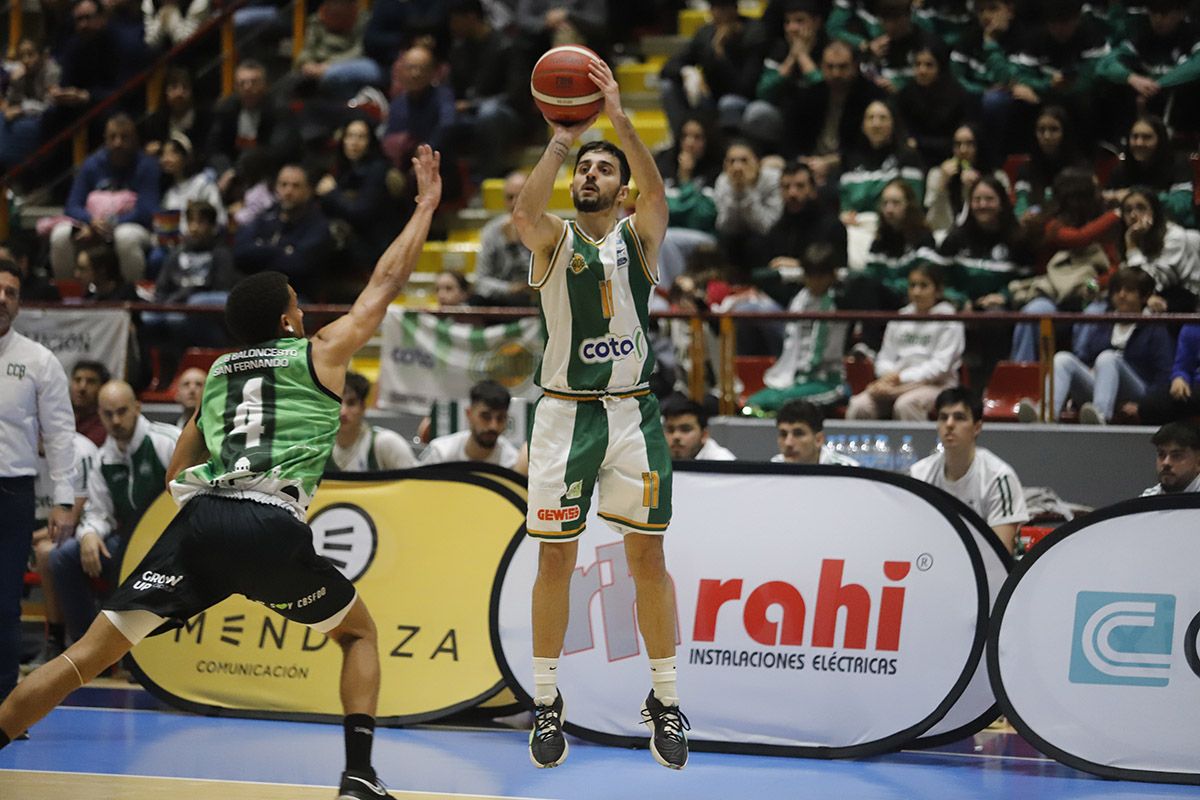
x,y
561,86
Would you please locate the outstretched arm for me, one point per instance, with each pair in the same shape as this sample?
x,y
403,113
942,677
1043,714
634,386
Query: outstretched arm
x,y
539,231
650,219
333,345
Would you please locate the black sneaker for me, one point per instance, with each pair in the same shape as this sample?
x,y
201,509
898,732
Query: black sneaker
x,y
547,745
668,742
361,786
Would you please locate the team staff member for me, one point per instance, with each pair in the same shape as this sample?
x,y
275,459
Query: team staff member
x,y
360,447
33,400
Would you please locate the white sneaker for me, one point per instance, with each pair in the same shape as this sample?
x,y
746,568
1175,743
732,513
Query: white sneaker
x,y
1027,410
1090,415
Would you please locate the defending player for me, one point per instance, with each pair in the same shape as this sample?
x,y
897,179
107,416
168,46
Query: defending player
x,y
244,471
597,419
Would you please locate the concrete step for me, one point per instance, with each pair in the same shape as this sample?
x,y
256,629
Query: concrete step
x,y
663,46
693,19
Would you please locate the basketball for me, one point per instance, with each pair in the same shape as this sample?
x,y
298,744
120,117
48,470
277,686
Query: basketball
x,y
561,86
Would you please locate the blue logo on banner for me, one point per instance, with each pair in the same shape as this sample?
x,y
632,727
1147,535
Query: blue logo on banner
x,y
1122,639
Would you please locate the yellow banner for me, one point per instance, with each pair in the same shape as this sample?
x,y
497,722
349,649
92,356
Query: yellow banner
x,y
423,551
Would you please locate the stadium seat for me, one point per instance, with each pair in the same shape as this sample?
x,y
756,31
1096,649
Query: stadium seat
x,y
199,357
1010,383
750,371
1013,164
859,373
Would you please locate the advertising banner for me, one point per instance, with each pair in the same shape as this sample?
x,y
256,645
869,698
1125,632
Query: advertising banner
x,y
977,707
424,572
1093,648
821,612
425,357
75,334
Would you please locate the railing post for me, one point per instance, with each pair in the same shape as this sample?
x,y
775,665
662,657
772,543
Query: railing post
x,y
154,88
228,56
728,397
299,20
79,146
5,221
16,27
698,359
1046,348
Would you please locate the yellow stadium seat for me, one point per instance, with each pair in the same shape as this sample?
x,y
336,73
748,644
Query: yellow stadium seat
x,y
457,256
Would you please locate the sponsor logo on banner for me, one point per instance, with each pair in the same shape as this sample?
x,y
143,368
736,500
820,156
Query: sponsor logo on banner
x,y
1105,612
429,605
603,349
1122,639
827,634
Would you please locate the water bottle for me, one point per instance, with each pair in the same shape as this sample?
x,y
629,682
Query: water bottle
x,y
852,448
906,456
866,453
837,444
883,453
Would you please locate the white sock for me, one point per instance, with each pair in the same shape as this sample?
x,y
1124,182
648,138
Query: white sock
x,y
662,675
545,680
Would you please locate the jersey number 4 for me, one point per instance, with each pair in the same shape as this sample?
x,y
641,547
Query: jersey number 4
x,y
248,416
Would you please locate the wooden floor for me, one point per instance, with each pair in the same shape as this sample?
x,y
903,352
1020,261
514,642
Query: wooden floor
x,y
57,785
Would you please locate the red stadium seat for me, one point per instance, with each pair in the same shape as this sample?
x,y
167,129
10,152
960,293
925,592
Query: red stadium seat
x,y
1012,166
750,371
1010,383
859,373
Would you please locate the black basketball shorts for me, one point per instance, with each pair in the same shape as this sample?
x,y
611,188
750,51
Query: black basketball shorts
x,y
216,547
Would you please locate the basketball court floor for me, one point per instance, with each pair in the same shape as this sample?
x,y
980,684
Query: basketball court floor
x,y
93,752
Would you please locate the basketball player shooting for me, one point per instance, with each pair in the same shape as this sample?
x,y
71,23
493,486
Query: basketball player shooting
x,y
597,421
244,471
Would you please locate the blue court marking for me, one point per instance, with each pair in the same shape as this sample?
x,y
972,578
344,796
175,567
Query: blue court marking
x,y
496,763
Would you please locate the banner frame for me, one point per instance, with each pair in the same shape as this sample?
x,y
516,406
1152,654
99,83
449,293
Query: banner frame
x,y
895,741
983,720
438,472
1122,508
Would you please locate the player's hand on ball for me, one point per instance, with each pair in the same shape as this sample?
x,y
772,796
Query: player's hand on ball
x,y
427,166
570,132
602,76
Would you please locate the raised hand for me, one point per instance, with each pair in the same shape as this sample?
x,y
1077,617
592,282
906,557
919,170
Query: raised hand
x,y
427,165
602,76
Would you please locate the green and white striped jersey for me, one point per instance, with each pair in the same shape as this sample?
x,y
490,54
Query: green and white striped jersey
x,y
269,426
595,314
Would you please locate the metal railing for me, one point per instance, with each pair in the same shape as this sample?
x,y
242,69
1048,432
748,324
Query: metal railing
x,y
727,331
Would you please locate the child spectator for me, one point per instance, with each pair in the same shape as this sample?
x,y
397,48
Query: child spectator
x,y
810,365
918,359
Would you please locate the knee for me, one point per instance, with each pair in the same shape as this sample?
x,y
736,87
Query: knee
x,y
1063,358
644,555
1108,359
1039,305
556,561
860,407
912,406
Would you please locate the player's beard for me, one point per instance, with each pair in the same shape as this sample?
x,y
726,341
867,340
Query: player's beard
x,y
593,203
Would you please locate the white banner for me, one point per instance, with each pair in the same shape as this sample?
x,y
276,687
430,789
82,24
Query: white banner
x,y
977,707
426,357
822,611
72,334
1093,650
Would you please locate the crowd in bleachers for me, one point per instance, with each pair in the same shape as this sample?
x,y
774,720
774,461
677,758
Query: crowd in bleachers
x,y
1018,153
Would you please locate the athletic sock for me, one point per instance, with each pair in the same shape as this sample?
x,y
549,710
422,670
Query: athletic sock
x,y
360,735
4,740
662,676
545,680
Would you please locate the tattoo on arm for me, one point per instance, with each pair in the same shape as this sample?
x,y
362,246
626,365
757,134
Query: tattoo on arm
x,y
559,149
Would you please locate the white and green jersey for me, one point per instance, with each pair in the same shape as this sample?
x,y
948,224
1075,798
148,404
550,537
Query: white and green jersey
x,y
269,426
595,313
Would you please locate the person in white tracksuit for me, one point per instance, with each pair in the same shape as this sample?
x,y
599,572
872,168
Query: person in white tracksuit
x,y
917,359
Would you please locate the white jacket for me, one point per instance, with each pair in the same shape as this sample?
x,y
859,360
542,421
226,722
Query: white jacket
x,y
144,461
1177,265
927,352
